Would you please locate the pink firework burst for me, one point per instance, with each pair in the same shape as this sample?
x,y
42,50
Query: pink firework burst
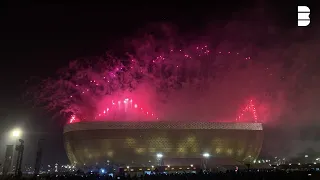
x,y
174,84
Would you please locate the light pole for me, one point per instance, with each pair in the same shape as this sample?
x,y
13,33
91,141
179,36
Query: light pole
x,y
12,138
205,159
159,158
306,158
16,134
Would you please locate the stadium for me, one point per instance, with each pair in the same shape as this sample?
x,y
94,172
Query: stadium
x,y
142,144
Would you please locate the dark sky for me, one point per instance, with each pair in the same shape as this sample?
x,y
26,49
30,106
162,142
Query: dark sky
x,y
37,39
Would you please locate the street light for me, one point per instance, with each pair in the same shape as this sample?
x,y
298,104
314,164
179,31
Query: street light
x,y
205,159
159,155
12,138
159,158
16,133
306,158
206,155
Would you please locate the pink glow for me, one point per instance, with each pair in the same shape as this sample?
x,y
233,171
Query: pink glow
x,y
109,114
248,108
115,113
86,101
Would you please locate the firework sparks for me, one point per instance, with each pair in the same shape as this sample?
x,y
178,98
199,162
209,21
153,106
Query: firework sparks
x,y
106,89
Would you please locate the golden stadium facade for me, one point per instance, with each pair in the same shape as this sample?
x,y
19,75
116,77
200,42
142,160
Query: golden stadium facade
x,y
179,143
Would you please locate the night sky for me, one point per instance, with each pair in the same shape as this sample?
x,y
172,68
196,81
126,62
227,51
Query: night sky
x,y
36,40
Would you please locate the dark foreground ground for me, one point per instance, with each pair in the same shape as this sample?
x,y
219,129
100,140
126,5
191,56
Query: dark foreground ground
x,y
297,175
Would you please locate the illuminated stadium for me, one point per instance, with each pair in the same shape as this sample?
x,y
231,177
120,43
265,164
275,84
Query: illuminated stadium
x,y
137,143
147,143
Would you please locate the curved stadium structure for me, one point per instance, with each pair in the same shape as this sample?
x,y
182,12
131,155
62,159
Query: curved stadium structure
x,y
179,143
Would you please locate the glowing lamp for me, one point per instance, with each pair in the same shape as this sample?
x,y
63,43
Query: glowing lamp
x,y
159,155
206,155
16,133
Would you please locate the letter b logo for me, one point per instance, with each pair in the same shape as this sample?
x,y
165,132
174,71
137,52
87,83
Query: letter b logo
x,y
303,16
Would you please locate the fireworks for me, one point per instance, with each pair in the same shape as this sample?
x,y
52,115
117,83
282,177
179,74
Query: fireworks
x,y
167,85
249,108
123,110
